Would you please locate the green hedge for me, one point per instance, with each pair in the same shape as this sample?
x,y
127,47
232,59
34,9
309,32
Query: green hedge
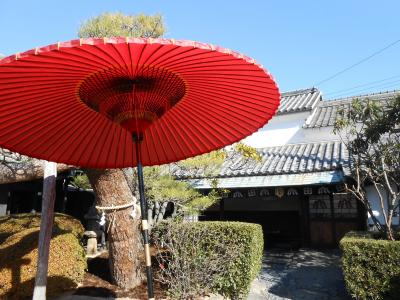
x,y
18,255
12,224
207,242
371,267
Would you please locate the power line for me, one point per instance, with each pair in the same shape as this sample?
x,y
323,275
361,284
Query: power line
x,y
371,83
357,63
392,85
388,85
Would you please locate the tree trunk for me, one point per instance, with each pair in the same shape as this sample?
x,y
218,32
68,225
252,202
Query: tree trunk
x,y
124,237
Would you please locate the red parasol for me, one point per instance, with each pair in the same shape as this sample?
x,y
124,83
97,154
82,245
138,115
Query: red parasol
x,y
82,101
199,98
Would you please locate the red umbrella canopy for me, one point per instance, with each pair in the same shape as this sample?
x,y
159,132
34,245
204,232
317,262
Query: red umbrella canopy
x,y
80,102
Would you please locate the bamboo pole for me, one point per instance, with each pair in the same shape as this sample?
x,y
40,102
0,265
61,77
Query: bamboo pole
x,y
46,228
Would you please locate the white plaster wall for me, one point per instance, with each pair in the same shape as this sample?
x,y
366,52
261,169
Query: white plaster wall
x,y
281,130
376,206
319,134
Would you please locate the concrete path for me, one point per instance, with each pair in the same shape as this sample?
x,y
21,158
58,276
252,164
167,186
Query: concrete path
x,y
300,275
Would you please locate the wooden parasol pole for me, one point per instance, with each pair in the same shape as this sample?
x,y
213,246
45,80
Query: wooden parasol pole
x,y
46,228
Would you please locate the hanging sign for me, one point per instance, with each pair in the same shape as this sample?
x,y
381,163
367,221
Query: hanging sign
x,y
279,192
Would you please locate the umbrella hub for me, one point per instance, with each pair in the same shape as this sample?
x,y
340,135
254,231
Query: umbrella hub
x,y
133,101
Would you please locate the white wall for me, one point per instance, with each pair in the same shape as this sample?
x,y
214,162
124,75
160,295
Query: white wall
x,y
376,206
320,134
281,130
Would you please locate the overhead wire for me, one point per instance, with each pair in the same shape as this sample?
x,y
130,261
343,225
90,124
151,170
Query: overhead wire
x,y
357,63
370,85
391,86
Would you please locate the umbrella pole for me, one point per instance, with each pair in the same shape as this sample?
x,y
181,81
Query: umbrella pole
x,y
145,226
46,228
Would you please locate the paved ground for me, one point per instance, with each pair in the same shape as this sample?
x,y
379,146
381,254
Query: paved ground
x,y
294,275
300,275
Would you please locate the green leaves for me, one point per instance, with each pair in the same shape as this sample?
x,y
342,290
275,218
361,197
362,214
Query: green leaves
x,y
248,152
202,257
161,187
370,267
81,181
370,131
121,25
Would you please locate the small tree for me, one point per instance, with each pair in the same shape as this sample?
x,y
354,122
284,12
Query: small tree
x,y
370,131
119,24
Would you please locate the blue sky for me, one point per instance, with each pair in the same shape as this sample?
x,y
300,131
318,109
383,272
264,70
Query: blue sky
x,y
300,42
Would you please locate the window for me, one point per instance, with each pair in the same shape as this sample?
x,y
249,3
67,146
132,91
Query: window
x,y
320,206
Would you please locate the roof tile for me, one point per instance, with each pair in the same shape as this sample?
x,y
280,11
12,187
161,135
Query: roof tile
x,y
327,111
292,159
301,100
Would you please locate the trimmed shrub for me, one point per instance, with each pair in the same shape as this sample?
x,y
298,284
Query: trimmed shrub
x,y
12,224
204,257
18,256
371,267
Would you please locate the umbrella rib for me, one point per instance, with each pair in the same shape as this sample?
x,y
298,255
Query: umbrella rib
x,y
85,118
253,92
123,59
43,123
206,115
50,142
92,132
162,60
230,100
194,133
227,113
24,112
234,95
101,142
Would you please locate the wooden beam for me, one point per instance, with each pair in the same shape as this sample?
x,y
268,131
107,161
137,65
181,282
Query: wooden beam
x,y
46,228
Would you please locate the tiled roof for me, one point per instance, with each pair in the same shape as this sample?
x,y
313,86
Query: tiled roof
x,y
293,158
289,159
327,111
301,100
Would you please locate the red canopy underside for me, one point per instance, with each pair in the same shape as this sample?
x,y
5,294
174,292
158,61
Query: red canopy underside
x,y
77,102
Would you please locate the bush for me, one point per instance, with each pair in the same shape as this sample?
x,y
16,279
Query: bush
x,y
18,256
371,267
12,224
204,257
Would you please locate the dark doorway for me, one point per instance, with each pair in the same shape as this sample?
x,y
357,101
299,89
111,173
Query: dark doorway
x,y
281,228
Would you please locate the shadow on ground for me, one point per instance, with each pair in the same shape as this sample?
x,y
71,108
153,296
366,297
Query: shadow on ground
x,y
303,275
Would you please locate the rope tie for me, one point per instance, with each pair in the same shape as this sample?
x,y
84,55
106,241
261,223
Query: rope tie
x,y
113,209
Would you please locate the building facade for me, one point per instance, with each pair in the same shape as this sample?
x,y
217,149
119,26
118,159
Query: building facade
x,y
297,191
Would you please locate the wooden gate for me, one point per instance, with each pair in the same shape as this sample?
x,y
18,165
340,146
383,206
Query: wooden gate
x,y
331,216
